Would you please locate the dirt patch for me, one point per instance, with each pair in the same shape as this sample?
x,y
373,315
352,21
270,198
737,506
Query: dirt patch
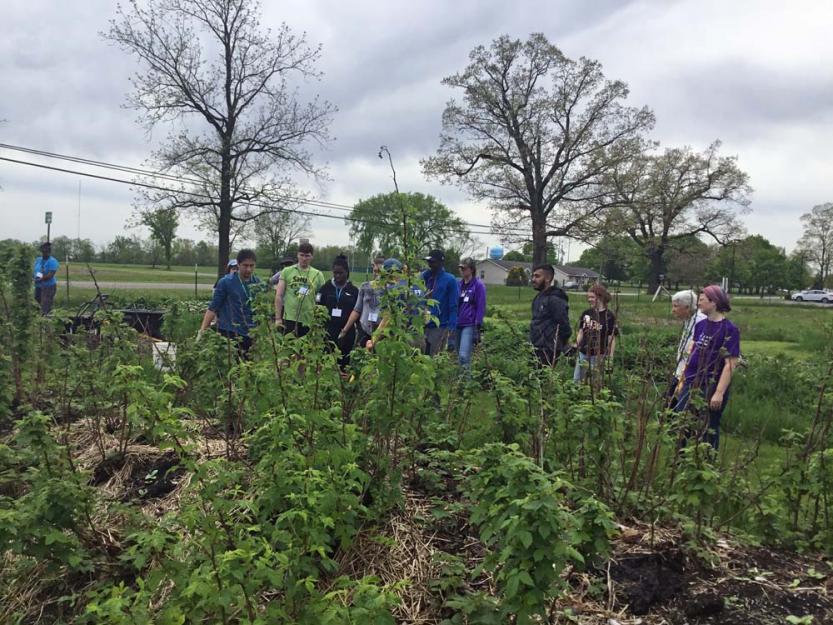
x,y
649,579
140,474
752,586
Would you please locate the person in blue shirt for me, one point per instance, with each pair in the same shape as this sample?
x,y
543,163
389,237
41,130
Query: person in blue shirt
x,y
46,266
232,302
442,287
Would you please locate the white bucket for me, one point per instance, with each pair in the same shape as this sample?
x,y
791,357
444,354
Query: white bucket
x,y
164,355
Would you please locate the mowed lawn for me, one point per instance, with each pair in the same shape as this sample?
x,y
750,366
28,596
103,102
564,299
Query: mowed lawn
x,y
767,329
107,272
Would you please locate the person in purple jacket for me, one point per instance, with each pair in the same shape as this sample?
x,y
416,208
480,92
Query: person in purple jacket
x,y
471,307
714,354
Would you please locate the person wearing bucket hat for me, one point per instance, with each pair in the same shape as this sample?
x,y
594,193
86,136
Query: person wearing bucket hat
x,y
442,288
471,307
232,266
409,297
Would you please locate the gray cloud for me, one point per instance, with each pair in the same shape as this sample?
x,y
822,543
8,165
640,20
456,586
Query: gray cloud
x,y
753,74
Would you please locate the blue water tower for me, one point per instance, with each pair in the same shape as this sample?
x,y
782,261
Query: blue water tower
x,y
496,252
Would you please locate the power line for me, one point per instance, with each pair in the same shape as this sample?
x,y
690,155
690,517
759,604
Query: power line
x,y
185,180
200,195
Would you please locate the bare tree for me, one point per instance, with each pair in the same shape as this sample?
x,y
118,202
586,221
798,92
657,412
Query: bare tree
x,y
209,65
666,199
816,243
533,136
276,230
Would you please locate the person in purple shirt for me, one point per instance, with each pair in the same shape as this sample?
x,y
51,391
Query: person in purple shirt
x,y
714,354
471,307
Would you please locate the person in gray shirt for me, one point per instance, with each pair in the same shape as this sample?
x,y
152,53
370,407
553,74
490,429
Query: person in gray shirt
x,y
367,310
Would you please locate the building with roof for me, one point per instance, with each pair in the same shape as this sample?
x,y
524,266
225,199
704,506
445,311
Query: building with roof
x,y
495,272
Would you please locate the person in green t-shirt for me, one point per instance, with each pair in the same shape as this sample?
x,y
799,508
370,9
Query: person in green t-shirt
x,y
295,293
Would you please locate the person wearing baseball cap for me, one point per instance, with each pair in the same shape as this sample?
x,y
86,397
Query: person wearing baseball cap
x,y
46,266
442,288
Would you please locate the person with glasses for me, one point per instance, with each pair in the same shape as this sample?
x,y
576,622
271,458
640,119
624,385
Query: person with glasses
x,y
295,293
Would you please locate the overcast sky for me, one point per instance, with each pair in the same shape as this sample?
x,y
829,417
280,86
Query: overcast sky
x,y
756,74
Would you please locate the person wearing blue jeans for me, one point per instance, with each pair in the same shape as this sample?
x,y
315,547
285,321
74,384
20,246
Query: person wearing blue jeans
x,y
471,307
597,331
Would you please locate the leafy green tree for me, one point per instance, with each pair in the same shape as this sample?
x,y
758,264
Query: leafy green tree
x,y
517,256
376,225
533,136
242,132
664,199
125,250
162,223
686,263
517,276
616,257
752,264
796,271
816,242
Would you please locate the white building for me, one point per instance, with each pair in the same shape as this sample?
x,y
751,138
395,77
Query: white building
x,y
495,272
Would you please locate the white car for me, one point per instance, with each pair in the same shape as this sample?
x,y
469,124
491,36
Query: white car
x,y
813,295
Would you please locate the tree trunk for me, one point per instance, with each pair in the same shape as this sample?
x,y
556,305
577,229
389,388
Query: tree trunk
x,y
224,230
655,256
539,239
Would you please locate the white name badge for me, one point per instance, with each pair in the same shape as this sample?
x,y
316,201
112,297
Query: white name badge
x,y
373,317
466,298
303,290
336,312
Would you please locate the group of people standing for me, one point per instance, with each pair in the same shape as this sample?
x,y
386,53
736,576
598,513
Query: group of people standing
x,y
452,310
708,351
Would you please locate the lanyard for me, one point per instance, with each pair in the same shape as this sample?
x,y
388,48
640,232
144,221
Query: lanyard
x,y
339,291
245,289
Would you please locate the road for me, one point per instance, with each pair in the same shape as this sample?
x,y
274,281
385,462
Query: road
x,y
105,285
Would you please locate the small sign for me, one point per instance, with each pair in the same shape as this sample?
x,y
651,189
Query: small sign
x,y
47,219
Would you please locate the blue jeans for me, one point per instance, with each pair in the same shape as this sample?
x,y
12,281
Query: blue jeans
x,y
464,343
582,369
709,434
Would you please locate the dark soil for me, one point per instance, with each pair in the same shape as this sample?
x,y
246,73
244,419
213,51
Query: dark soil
x,y
649,579
151,477
749,587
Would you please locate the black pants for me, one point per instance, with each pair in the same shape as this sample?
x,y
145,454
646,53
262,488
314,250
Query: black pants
x,y
345,345
293,327
548,356
244,342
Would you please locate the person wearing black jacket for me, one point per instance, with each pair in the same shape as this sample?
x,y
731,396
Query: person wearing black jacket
x,y
550,327
339,297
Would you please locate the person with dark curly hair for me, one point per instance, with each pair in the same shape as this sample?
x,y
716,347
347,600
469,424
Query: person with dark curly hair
x,y
339,296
